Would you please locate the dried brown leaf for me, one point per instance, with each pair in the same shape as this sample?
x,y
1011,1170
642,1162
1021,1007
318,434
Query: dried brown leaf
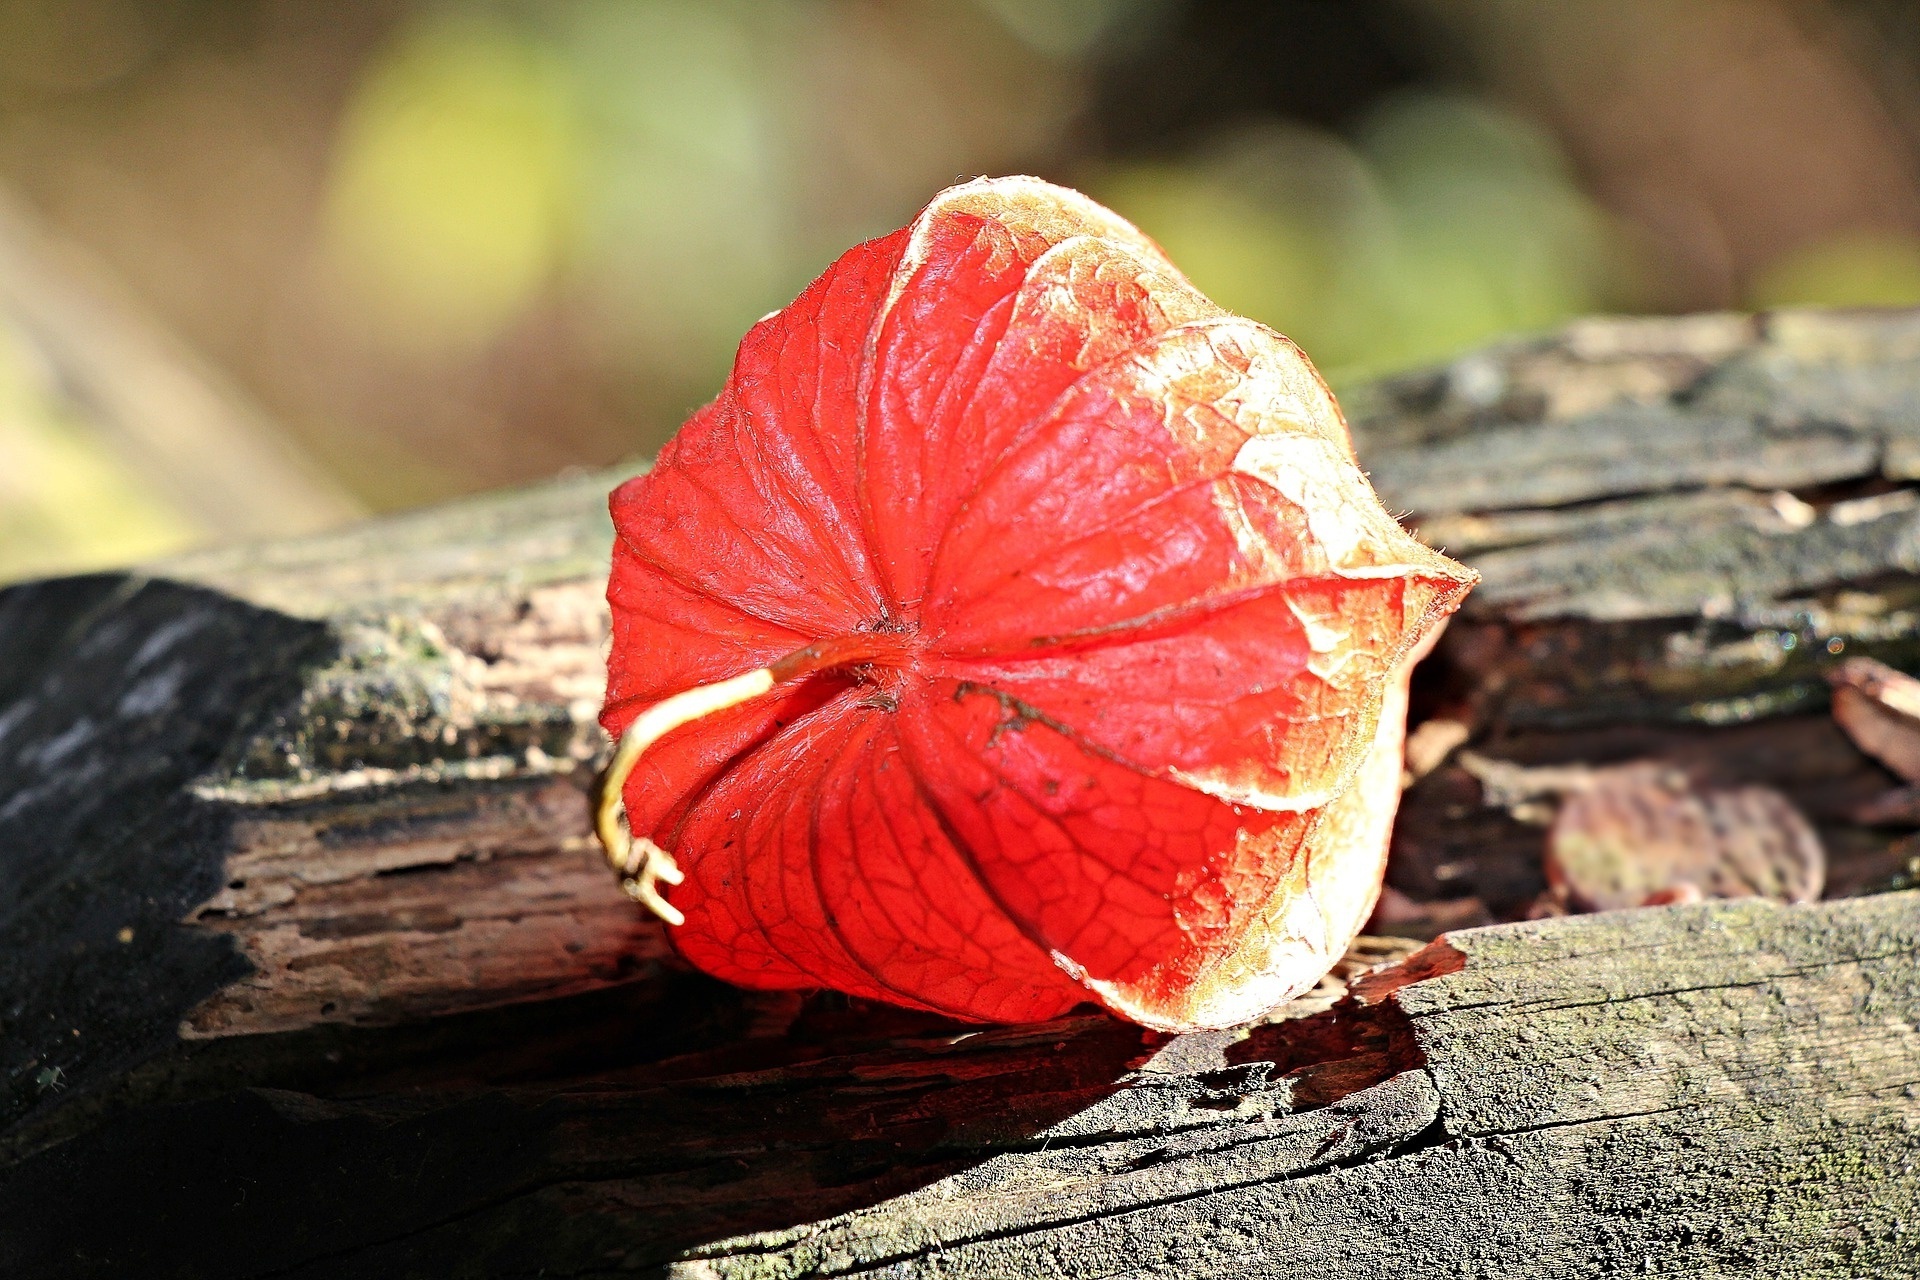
x,y
1879,708
1644,834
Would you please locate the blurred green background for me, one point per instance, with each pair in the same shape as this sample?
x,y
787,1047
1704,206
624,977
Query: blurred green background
x,y
266,264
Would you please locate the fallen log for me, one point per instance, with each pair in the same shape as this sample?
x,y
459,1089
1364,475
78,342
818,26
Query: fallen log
x,y
312,969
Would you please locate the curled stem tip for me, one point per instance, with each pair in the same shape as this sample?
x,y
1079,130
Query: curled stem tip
x,y
641,864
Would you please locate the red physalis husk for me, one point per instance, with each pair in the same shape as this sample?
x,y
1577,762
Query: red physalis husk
x,y
1116,636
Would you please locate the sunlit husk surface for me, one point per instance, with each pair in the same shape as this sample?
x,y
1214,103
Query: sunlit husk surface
x,y
1127,722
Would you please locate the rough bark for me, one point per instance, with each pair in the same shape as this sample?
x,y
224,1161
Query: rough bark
x,y
311,969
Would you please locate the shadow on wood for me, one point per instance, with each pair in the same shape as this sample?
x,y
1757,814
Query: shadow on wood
x,y
119,692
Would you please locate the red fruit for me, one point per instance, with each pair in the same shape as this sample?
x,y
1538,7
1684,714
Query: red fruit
x,y
1072,641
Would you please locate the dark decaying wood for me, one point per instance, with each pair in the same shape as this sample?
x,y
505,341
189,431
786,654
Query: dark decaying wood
x,y
311,969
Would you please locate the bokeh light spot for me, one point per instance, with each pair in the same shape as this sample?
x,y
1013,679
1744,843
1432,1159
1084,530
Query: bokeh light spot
x,y
451,195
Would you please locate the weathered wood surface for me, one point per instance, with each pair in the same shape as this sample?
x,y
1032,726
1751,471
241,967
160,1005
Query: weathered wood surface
x,y
310,968
1671,517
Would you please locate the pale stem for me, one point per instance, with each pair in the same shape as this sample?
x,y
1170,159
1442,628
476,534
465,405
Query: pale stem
x,y
641,863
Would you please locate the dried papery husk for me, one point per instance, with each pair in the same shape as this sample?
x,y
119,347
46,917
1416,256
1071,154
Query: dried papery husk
x,y
1071,643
